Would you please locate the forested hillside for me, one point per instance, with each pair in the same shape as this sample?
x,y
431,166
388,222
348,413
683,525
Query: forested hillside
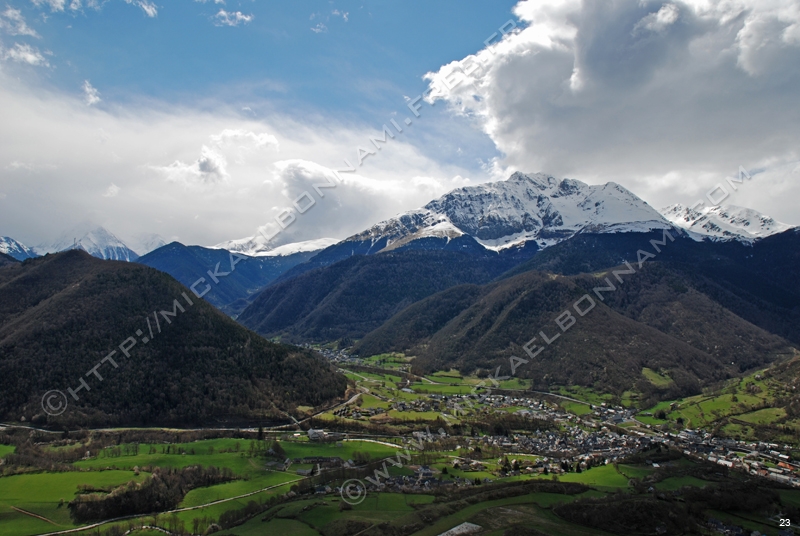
x,y
354,296
62,314
654,319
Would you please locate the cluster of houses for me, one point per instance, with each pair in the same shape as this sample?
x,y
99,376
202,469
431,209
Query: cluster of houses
x,y
583,441
418,404
336,356
358,413
572,443
767,460
424,479
531,408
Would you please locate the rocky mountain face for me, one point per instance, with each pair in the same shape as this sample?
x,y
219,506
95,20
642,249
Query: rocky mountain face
x,y
724,222
16,249
514,218
524,208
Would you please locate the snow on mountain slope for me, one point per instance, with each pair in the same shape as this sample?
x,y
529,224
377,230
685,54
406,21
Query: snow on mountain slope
x,y
16,249
95,240
256,246
144,243
300,247
525,207
724,222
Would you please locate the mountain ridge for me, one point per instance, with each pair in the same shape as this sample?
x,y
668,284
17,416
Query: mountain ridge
x,y
189,263
724,222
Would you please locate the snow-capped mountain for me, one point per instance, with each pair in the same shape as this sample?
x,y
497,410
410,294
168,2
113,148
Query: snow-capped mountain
x,y
535,207
16,249
144,243
95,240
256,246
723,222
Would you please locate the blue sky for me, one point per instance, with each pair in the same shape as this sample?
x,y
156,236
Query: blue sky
x,y
200,121
301,57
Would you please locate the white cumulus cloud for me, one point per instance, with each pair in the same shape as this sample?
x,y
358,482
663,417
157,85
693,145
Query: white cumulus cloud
x,y
659,21
24,53
55,5
148,7
231,18
90,94
665,98
13,23
209,169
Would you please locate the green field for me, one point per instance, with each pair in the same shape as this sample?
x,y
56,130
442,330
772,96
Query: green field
x,y
635,471
583,393
452,377
763,416
239,487
575,407
369,401
238,461
41,493
603,477
203,455
659,380
741,407
443,389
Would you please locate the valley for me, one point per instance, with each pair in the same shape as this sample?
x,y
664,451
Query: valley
x,y
433,373
460,449
452,268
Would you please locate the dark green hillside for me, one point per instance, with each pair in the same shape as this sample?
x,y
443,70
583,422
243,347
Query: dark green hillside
x,y
419,321
655,319
189,263
603,349
354,296
60,315
690,307
586,253
7,259
759,282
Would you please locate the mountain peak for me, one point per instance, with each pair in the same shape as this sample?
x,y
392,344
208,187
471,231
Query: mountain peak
x,y
525,207
16,249
723,222
95,240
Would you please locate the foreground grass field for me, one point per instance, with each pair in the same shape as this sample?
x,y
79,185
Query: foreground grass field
x,y
30,503
230,453
23,497
40,495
